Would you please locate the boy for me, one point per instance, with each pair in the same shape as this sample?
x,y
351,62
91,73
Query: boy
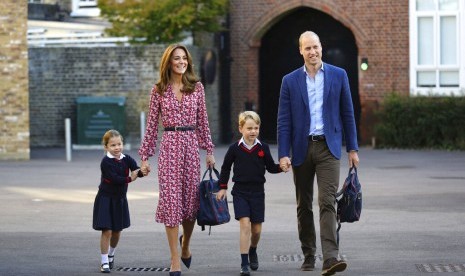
x,y
250,158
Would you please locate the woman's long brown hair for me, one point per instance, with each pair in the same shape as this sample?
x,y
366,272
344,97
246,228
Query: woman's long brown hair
x,y
189,78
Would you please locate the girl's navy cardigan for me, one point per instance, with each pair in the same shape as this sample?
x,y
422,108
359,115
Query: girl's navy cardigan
x,y
115,175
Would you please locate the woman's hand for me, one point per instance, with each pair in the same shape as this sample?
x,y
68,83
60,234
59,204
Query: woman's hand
x,y
145,167
210,161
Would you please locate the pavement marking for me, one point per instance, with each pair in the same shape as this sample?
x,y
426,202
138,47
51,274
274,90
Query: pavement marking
x,y
142,269
448,177
300,258
430,268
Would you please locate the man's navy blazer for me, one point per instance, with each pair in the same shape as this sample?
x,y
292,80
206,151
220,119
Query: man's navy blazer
x,y
294,114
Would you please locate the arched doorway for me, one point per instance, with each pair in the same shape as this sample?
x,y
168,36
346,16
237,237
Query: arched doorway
x,y
279,55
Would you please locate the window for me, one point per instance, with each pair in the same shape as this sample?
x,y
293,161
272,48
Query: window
x,y
435,40
84,8
87,3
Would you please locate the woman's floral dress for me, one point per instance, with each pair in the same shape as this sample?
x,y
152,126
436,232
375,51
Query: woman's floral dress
x,y
179,160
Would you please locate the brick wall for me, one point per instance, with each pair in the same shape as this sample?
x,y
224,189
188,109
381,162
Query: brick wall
x,y
14,107
380,29
57,76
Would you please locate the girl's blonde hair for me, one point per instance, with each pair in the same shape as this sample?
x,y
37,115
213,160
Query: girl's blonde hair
x,y
189,78
243,116
110,134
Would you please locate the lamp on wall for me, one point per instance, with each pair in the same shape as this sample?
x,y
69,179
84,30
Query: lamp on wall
x,y
364,64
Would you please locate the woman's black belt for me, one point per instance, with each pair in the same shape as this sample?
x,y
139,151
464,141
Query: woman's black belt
x,y
180,128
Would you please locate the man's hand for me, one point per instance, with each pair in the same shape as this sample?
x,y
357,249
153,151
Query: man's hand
x,y
353,159
285,163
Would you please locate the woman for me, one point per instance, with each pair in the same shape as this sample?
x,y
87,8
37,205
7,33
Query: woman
x,y
178,98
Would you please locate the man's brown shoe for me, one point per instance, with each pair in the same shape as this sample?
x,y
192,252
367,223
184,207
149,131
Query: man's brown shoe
x,y
309,263
332,265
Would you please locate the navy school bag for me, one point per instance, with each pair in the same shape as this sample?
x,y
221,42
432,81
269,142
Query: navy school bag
x,y
349,200
212,212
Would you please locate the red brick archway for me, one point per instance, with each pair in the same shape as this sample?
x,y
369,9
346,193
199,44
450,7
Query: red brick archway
x,y
381,33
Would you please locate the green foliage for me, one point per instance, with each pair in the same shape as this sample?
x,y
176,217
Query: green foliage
x,y
162,21
422,122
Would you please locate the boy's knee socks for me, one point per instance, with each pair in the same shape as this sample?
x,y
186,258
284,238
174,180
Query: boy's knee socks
x,y
245,259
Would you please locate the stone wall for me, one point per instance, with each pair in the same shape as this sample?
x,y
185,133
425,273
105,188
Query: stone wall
x,y
58,76
14,102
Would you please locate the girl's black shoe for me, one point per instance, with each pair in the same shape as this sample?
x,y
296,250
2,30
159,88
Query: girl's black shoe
x,y
111,261
105,268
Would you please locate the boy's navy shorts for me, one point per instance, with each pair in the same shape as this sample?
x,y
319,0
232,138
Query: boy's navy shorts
x,y
249,204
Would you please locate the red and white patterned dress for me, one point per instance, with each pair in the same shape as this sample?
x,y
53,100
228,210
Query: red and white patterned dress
x,y
179,160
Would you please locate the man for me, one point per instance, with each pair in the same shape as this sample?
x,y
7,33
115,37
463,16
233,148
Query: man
x,y
315,112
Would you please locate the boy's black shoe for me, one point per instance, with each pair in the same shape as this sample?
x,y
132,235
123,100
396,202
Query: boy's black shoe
x,y
111,261
245,270
332,265
253,259
309,263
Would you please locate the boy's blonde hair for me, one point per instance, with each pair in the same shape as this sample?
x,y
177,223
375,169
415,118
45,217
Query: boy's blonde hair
x,y
110,134
243,116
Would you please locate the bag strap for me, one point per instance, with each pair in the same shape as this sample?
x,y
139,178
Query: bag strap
x,y
216,173
210,170
352,172
210,183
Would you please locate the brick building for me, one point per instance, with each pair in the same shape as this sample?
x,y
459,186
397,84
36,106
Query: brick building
x,y
411,46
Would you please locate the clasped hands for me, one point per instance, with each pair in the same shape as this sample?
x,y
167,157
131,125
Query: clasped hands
x,y
285,164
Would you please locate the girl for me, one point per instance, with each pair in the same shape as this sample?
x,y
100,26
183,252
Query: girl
x,y
111,211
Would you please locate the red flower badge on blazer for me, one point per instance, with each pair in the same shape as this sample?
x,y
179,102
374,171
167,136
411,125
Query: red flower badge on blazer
x,y
261,153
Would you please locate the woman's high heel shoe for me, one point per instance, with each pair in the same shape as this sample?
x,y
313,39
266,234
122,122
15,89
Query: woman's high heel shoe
x,y
175,273
185,261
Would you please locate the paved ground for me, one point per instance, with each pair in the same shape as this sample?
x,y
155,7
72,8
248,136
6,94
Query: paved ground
x,y
413,216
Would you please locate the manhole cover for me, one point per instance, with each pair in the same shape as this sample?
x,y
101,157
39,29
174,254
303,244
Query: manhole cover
x,y
142,269
440,267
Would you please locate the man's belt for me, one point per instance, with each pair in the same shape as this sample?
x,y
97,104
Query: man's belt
x,y
316,138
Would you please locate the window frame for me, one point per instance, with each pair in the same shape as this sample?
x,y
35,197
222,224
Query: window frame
x,y
415,68
84,8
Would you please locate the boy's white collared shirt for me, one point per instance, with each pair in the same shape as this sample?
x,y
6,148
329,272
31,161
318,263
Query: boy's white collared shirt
x,y
247,146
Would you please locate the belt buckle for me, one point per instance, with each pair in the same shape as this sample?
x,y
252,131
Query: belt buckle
x,y
314,139
176,128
